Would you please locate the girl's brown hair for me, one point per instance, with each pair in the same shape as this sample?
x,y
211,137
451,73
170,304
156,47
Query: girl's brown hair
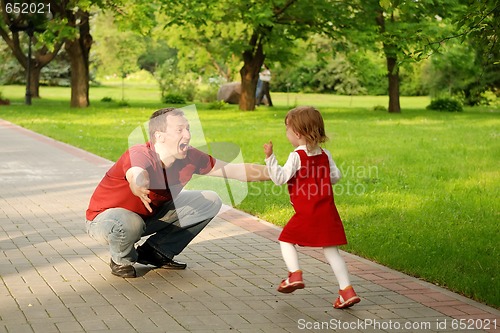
x,y
308,122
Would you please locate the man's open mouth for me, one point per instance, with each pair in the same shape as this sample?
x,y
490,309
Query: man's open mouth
x,y
183,147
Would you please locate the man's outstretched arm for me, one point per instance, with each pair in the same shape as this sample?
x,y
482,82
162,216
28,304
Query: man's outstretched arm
x,y
245,172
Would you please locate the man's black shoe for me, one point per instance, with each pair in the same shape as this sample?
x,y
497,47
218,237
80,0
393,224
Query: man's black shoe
x,y
147,255
124,271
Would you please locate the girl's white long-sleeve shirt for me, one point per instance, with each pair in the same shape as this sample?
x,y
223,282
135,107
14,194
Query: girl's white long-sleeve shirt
x,y
282,174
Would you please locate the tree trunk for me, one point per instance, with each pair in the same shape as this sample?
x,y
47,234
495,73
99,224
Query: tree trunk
x,y
392,67
79,76
42,58
252,61
393,76
78,51
248,86
35,81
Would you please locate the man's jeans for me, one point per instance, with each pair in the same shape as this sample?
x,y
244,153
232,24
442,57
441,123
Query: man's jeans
x,y
172,228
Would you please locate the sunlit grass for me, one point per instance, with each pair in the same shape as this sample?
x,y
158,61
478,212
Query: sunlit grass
x,y
420,189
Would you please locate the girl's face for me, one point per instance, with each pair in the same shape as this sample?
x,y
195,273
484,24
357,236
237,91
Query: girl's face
x,y
292,136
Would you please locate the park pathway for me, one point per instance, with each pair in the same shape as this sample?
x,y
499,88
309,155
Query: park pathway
x,y
54,278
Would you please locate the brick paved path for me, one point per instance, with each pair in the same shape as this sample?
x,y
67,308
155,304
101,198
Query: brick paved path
x,y
54,278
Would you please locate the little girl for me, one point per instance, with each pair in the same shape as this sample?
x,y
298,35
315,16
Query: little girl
x,y
310,172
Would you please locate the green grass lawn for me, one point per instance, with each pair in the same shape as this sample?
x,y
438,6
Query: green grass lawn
x,y
419,191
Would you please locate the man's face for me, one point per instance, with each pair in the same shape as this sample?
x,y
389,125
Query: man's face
x,y
177,136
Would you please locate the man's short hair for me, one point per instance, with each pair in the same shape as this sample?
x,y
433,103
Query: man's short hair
x,y
158,121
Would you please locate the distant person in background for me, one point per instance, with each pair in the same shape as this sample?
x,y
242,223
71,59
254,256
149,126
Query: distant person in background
x,y
263,87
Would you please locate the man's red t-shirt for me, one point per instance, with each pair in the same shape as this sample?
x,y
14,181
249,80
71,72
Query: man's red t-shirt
x,y
113,191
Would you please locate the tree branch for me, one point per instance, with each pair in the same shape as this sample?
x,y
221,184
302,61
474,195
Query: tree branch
x,y
280,11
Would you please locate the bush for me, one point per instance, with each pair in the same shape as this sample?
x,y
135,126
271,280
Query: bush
x,y
445,104
217,105
123,103
3,101
379,108
488,98
174,99
106,99
208,93
173,81
206,96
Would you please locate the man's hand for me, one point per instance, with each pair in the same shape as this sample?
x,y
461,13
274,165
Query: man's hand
x,y
268,149
138,180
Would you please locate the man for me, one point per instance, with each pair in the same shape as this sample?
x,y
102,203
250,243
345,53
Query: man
x,y
263,86
142,195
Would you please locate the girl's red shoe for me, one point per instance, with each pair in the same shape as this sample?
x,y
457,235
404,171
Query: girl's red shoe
x,y
347,298
292,283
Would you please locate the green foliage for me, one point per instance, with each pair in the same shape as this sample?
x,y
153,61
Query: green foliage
x,y
58,72
411,79
490,98
248,32
208,93
453,72
379,108
123,103
324,71
11,71
116,52
320,54
137,15
371,70
106,99
480,23
342,69
173,81
207,49
173,98
156,53
338,76
295,78
217,105
479,27
445,104
55,73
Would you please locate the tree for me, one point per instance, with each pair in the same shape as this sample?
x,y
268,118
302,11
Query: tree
x,y
403,30
156,53
480,21
117,51
264,28
205,49
452,72
11,24
479,25
391,52
73,19
69,25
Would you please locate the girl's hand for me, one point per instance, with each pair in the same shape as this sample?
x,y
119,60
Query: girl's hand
x,y
268,149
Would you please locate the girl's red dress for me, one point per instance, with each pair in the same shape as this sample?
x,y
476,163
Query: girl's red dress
x,y
316,222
